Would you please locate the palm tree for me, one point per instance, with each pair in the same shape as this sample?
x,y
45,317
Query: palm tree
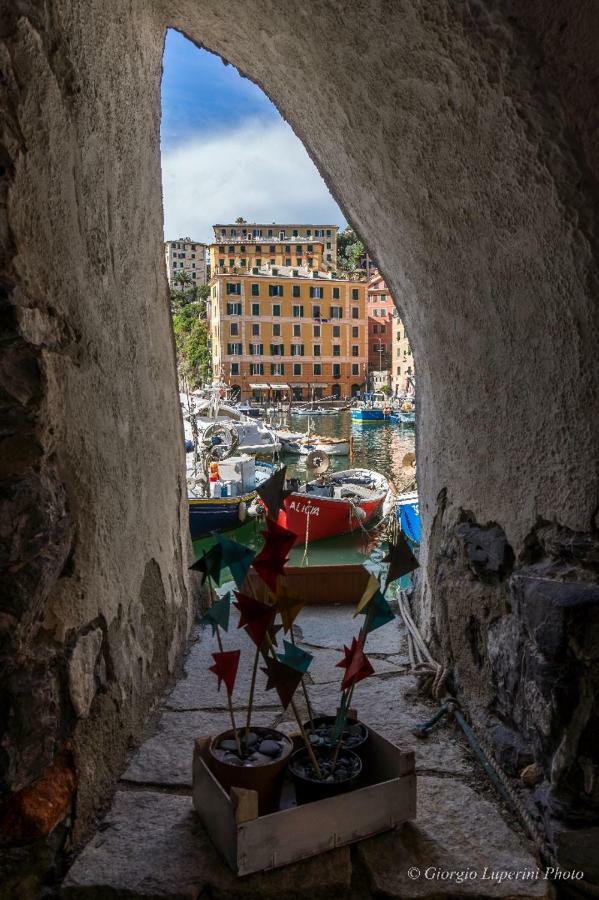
x,y
183,280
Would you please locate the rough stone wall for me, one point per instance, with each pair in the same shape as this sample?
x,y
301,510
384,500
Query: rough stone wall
x,y
459,138
95,605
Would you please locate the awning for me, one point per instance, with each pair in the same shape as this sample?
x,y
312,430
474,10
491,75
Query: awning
x,y
301,384
280,387
260,387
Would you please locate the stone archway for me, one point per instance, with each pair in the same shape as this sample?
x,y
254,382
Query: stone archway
x,y
476,187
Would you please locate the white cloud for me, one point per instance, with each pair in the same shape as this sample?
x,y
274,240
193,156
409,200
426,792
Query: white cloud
x,y
260,171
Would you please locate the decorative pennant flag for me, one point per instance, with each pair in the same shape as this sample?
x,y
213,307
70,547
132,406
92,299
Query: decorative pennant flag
x,y
356,664
289,607
283,679
295,657
400,558
256,617
270,562
236,557
218,614
272,492
379,615
209,564
225,667
372,586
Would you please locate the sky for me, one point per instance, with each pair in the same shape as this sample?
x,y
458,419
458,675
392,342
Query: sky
x,y
227,152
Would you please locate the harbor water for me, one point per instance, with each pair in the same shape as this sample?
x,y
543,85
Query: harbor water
x,y
380,446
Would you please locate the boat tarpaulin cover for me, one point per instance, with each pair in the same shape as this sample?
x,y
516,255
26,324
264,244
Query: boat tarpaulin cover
x,y
409,519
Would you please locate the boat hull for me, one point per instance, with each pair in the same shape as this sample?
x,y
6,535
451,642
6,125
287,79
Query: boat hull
x,y
339,448
367,415
210,514
323,517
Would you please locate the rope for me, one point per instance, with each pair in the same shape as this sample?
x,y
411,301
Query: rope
x,y
304,561
433,678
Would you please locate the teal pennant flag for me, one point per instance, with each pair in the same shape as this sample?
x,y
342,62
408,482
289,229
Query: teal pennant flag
x,y
380,615
295,657
210,564
236,557
218,614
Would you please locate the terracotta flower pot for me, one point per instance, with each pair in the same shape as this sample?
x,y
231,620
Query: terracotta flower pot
x,y
266,778
309,788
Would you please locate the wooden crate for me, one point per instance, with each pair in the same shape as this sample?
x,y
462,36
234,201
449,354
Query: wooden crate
x,y
252,843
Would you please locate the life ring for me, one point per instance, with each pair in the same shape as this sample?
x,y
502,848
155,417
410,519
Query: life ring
x,y
242,511
219,441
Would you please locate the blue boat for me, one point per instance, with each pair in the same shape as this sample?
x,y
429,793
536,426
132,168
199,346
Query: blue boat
x,y
209,514
365,414
403,418
408,516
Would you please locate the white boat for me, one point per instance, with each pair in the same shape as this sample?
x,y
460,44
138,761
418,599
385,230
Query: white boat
x,y
253,436
318,411
301,444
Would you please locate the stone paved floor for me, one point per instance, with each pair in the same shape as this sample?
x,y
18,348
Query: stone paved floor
x,y
151,845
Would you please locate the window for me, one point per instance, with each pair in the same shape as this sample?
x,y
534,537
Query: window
x,y
316,348
355,350
297,368
277,350
375,328
276,330
383,328
375,312
328,245
276,309
271,247
355,312
355,294
383,298
234,349
355,332
221,263
275,290
298,311
295,290
316,293
255,328
298,248
310,261
328,232
318,368
287,260
297,331
336,349
316,331
316,312
231,249
256,368
336,312
233,287
269,232
255,309
255,290
399,370
221,249
234,368
355,369
258,262
277,368
234,329
336,330
298,262
258,247
335,293
297,349
295,232
256,349
232,262
336,370
233,309
243,263
310,248
287,248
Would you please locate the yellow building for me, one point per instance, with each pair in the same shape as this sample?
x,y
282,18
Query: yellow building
x,y
274,232
241,255
403,371
285,331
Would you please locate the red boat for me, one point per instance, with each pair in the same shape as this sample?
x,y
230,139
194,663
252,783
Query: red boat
x,y
337,504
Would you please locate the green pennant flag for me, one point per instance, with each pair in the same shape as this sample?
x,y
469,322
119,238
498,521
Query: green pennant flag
x,y
210,564
380,615
236,557
218,614
295,657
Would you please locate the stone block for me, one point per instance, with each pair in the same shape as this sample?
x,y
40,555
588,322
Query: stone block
x,y
85,671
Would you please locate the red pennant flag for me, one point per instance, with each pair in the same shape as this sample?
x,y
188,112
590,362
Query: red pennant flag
x,y
356,664
256,617
270,562
225,667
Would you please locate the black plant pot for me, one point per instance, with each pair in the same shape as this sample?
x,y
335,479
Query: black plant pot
x,y
309,788
356,746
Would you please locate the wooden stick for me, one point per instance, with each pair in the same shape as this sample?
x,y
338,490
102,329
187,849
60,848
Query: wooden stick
x,y
304,689
229,701
306,740
251,697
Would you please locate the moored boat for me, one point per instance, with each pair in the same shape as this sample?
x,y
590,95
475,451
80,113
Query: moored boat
x,y
337,504
408,515
233,492
301,444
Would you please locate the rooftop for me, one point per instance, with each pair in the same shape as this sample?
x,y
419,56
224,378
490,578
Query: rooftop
x,y
268,271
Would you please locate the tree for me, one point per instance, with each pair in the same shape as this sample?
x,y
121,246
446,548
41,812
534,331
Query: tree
x,y
240,221
350,249
385,389
192,341
183,279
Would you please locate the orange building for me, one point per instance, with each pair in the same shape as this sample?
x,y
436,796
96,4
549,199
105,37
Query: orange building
x,y
287,331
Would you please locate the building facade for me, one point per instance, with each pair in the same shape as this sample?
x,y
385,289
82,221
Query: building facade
x,y
185,255
288,332
240,255
285,234
390,360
